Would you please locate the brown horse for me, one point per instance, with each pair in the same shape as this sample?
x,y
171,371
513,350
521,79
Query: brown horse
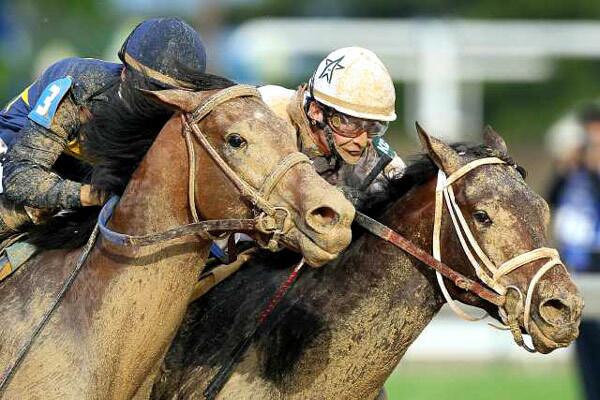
x,y
113,327
342,329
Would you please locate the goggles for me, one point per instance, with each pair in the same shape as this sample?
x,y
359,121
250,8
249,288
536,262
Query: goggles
x,y
352,127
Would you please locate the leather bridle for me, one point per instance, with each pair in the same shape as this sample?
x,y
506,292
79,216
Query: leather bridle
x,y
489,273
269,219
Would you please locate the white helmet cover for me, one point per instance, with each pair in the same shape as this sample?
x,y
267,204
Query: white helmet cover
x,y
354,81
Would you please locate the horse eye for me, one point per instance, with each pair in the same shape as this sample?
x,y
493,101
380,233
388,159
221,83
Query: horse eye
x,y
482,217
235,140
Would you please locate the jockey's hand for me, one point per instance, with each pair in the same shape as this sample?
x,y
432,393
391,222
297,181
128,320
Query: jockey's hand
x,y
356,196
90,196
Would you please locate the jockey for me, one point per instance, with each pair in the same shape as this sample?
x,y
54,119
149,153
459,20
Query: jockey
x,y
340,118
47,119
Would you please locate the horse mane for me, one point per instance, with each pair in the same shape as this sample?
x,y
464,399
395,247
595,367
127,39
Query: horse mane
x,y
117,137
421,167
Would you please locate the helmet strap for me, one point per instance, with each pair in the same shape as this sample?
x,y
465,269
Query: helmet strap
x,y
332,146
335,154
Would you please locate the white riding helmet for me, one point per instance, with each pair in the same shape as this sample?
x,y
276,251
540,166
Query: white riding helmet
x,y
354,81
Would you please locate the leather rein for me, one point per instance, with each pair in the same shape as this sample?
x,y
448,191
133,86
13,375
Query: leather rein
x,y
491,290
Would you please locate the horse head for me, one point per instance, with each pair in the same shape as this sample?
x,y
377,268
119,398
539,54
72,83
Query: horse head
x,y
258,147
497,233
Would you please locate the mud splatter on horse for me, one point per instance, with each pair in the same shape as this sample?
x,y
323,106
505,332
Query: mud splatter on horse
x,y
108,337
343,329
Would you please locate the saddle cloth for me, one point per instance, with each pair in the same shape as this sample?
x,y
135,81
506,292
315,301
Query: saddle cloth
x,y
14,252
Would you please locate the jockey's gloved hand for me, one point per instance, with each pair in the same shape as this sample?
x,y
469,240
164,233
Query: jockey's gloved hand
x,y
91,196
356,196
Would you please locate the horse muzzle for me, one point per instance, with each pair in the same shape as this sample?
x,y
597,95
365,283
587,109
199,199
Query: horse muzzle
x,y
554,315
555,320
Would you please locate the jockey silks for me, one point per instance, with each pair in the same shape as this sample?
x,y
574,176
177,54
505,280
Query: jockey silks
x,y
89,78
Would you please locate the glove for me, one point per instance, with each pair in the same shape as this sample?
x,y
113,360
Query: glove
x,y
356,196
90,196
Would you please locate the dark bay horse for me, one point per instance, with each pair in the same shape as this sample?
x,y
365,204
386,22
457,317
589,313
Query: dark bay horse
x,y
341,331
113,327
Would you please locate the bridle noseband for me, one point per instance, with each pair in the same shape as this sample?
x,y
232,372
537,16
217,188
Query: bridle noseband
x,y
492,274
270,219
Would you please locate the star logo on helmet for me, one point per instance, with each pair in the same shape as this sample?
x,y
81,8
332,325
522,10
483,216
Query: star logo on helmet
x,y
330,67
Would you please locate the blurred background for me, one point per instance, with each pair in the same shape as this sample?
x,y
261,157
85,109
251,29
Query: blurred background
x,y
526,67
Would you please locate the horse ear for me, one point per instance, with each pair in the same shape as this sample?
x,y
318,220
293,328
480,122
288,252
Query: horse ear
x,y
182,100
444,156
493,140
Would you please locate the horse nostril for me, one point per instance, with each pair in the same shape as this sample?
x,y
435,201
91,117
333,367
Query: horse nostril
x,y
555,312
322,217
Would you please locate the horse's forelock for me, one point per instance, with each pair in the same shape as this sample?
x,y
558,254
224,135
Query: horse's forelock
x,y
421,168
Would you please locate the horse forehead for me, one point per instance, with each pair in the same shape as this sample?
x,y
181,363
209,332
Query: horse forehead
x,y
513,206
505,188
247,109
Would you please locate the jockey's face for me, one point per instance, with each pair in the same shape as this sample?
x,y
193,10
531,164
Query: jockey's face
x,y
350,134
352,145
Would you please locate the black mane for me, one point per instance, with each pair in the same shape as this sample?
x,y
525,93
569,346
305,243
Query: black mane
x,y
122,134
421,167
123,128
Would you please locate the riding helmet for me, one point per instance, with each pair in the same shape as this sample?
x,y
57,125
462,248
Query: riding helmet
x,y
166,50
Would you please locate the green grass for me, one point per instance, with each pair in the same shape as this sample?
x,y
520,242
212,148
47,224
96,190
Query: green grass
x,y
499,381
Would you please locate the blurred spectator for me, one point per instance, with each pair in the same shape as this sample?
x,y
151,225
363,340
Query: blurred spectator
x,y
575,197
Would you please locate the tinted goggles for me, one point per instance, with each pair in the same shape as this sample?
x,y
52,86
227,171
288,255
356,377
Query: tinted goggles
x,y
349,126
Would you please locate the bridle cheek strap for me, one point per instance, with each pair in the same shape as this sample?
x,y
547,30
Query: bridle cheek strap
x,y
289,162
273,219
491,275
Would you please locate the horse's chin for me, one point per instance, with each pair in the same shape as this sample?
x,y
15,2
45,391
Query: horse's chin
x,y
314,255
542,343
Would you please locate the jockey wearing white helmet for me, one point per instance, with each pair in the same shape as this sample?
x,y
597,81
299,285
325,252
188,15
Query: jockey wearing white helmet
x,y
340,118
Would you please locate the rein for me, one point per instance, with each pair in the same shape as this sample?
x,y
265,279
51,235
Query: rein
x,y
12,368
201,228
222,376
389,235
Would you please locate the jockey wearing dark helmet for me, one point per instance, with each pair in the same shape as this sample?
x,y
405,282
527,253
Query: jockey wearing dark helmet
x,y
76,97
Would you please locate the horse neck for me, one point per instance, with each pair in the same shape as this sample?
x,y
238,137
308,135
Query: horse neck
x,y
148,286
156,197
362,312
